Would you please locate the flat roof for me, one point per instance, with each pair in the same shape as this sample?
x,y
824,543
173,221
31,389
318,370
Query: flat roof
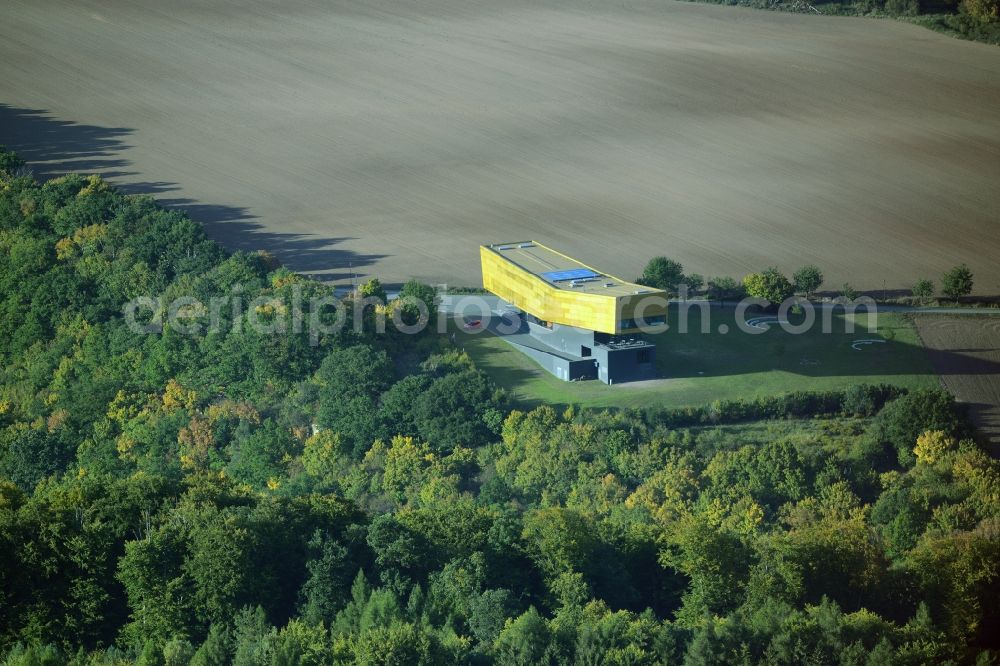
x,y
565,272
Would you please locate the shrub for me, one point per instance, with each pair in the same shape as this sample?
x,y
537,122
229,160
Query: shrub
x,y
373,289
36,655
412,292
9,161
984,11
868,399
861,400
724,288
904,419
902,7
694,282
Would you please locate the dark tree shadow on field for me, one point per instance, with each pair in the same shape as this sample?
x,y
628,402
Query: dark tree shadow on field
x,y
959,362
316,256
54,147
987,420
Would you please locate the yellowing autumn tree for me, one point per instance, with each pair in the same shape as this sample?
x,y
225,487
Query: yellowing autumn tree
x,y
932,445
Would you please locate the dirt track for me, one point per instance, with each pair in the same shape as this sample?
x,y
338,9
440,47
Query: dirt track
x,y
396,136
965,352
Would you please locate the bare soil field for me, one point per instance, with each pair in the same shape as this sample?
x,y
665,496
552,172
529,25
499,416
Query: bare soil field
x,y
965,352
391,138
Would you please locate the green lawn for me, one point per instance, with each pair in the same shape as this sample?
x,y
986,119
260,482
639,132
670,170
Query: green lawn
x,y
697,368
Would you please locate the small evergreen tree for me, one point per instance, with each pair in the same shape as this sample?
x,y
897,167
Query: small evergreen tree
x,y
151,655
324,591
177,652
252,646
215,650
525,641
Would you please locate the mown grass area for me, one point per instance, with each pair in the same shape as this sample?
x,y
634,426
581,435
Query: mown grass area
x,y
696,368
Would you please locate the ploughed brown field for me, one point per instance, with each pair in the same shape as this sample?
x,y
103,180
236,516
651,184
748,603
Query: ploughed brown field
x,y
965,351
391,138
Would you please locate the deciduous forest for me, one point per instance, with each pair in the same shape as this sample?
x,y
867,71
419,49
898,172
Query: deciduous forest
x,y
230,496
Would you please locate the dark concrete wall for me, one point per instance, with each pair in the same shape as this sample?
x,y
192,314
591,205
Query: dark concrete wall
x,y
560,367
564,338
613,365
622,365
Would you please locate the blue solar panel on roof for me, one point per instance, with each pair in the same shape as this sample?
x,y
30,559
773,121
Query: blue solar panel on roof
x,y
571,274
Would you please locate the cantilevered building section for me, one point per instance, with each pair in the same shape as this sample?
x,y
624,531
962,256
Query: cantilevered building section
x,y
581,323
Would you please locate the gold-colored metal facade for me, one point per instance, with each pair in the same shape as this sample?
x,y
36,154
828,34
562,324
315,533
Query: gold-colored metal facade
x,y
594,307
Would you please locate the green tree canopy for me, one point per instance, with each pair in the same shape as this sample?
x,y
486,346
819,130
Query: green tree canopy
x,y
662,273
923,290
807,279
771,285
957,282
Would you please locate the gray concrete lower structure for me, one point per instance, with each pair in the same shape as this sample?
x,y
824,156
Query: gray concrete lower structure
x,y
572,353
558,365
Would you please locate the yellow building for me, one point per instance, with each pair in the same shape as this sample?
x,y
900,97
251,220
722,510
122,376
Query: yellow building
x,y
557,289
